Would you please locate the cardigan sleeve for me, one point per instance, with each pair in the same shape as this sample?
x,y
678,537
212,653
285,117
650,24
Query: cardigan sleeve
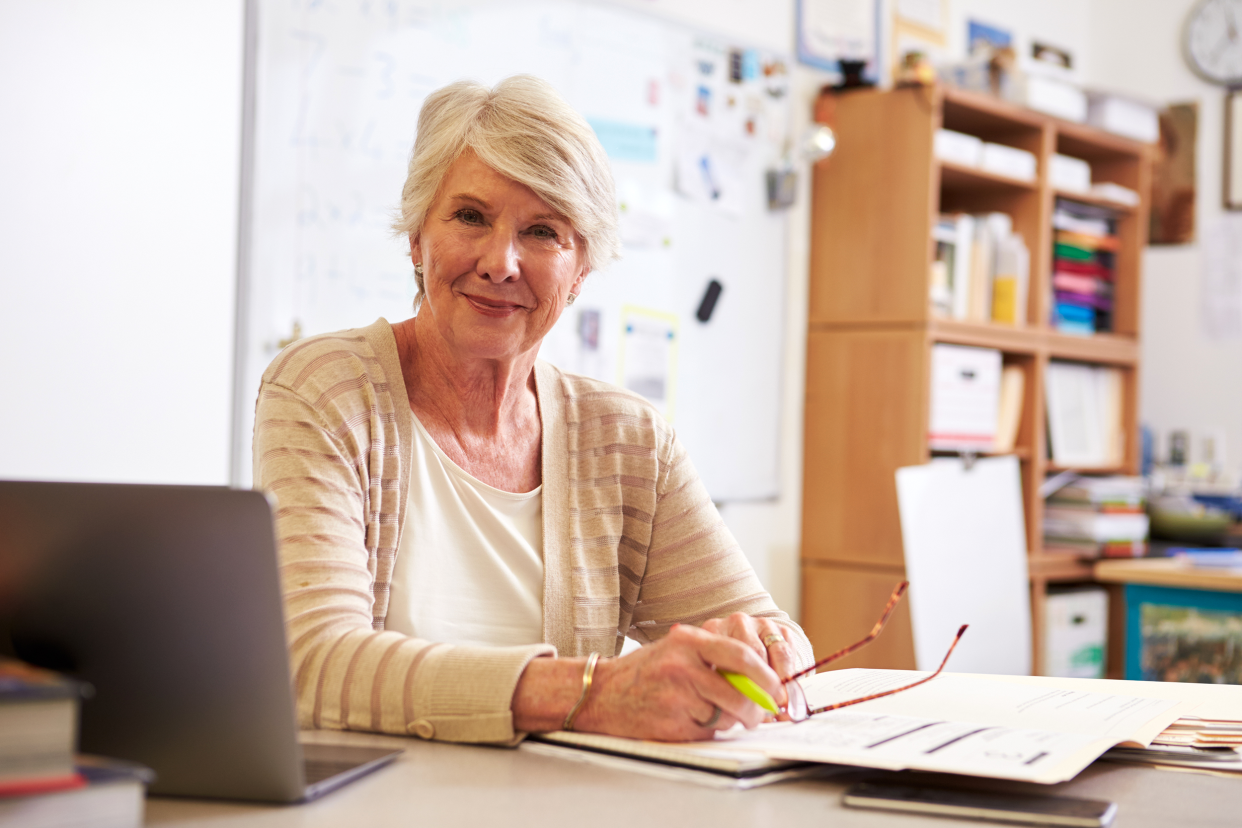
x,y
320,453
695,569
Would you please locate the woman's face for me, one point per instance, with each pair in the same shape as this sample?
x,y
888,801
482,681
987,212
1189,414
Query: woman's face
x,y
497,262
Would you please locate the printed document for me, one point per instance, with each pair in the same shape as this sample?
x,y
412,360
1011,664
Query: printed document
x,y
960,724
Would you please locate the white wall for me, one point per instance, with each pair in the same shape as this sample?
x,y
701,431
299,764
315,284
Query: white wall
x,y
1188,380
118,214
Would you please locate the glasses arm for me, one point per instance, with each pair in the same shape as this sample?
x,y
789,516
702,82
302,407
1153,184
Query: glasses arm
x,y
898,591
943,662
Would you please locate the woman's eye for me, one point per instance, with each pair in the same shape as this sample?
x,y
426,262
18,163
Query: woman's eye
x,y
470,216
543,231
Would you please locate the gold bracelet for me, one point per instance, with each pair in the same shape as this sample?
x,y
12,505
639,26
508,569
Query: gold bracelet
x,y
587,675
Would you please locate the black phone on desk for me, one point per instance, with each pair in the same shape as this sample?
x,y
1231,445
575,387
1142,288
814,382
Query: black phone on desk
x,y
991,807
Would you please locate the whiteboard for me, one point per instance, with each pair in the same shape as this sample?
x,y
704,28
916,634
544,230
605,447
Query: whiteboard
x,y
691,123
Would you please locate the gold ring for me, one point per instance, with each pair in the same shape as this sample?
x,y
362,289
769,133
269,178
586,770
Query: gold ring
x,y
772,638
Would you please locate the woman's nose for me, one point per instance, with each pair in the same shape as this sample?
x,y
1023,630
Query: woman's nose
x,y
498,260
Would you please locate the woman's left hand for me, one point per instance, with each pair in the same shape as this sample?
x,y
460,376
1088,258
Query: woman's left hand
x,y
763,635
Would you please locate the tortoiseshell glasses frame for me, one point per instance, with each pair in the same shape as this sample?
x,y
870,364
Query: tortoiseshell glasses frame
x,y
799,711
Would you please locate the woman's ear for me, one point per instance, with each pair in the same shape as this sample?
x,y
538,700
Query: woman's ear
x,y
576,289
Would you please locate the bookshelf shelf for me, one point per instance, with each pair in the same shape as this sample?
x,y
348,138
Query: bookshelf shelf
x,y
1009,338
1120,208
871,327
1060,567
1111,349
1051,467
958,177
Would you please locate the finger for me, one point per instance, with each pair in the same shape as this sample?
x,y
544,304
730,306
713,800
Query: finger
x,y
708,728
741,627
730,654
716,690
781,656
715,625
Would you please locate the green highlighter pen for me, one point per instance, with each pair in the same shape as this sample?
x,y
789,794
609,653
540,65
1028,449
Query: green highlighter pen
x,y
747,687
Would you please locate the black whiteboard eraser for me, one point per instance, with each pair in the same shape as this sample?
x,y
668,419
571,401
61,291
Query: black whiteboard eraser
x,y
708,304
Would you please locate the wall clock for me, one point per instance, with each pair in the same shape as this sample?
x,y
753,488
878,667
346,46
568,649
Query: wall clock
x,y
1212,41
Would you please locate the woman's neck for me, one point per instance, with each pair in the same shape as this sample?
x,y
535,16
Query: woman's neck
x,y
486,397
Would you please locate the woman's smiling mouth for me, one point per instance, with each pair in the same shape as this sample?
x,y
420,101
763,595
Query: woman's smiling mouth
x,y
492,307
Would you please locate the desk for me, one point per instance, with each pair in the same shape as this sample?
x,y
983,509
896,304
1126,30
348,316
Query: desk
x,y
435,784
1178,621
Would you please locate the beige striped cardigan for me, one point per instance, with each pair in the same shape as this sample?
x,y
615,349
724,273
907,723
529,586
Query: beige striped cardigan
x,y
631,540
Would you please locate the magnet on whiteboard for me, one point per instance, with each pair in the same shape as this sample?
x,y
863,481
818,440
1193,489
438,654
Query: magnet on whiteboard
x,y
709,300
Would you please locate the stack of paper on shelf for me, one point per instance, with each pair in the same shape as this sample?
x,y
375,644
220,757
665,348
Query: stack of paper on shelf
x,y
1098,517
957,148
1123,116
1083,267
1008,161
1069,174
1085,414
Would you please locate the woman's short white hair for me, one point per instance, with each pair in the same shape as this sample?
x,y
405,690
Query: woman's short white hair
x,y
526,131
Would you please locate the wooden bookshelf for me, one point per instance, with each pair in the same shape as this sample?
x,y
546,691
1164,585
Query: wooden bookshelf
x,y
870,332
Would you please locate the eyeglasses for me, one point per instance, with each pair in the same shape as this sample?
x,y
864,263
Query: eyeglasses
x,y
799,710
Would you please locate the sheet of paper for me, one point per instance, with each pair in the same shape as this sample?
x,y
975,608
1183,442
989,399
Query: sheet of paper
x,y
926,13
829,30
910,742
965,547
649,356
963,697
1221,281
1206,701
958,724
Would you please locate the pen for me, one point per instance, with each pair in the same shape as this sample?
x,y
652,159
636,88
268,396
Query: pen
x,y
747,687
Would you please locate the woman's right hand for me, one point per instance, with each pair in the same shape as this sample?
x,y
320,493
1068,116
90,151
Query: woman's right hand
x,y
669,690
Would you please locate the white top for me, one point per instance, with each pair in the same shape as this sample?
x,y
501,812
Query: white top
x,y
470,564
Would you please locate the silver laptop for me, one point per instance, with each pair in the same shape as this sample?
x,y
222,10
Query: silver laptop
x,y
166,600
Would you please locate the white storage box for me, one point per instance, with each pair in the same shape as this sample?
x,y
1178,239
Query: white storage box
x,y
965,397
1008,161
1075,633
1071,175
958,148
1054,97
1124,117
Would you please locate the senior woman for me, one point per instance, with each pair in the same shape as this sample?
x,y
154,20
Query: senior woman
x,y
464,529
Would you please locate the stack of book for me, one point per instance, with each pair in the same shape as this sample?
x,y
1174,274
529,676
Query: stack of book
x,y
41,781
1083,267
1098,517
981,269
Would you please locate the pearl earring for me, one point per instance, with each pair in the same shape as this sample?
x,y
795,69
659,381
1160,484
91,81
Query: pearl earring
x,y
569,300
418,270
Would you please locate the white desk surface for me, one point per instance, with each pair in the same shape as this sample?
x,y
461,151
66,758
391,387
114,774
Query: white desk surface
x,y
434,784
